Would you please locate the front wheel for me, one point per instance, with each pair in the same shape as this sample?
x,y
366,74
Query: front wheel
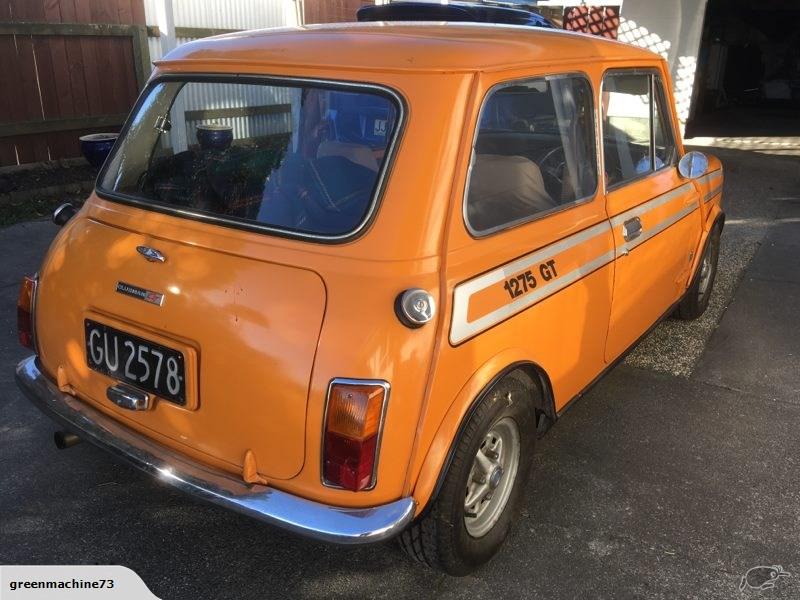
x,y
472,514
695,302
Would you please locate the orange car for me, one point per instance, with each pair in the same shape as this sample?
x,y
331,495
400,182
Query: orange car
x,y
337,278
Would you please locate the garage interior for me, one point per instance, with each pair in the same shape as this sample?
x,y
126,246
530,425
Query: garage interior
x,y
748,81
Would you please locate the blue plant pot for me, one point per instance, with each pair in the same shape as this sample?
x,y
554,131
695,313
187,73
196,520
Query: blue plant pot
x,y
96,146
214,137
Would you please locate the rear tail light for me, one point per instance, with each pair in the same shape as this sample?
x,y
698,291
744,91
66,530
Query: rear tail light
x,y
25,306
353,422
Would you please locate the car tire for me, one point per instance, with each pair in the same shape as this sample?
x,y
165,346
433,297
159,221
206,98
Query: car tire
x,y
500,433
695,301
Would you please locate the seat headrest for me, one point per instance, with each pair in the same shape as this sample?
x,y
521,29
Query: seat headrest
x,y
503,189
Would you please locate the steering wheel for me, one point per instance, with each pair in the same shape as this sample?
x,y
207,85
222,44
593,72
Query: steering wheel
x,y
553,163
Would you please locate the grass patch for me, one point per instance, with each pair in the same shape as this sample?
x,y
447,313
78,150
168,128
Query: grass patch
x,y
32,192
36,207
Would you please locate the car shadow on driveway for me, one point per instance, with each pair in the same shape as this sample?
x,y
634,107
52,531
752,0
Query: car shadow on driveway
x,y
654,486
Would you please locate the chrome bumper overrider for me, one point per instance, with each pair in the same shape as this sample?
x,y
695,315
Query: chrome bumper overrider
x,y
311,519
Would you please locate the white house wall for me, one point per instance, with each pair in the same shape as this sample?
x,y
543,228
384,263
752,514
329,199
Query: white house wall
x,y
672,28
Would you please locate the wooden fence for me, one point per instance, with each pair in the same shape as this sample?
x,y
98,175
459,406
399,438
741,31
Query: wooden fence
x,y
71,67
68,67
332,11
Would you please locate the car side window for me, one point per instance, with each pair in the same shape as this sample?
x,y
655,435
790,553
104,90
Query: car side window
x,y
637,134
534,152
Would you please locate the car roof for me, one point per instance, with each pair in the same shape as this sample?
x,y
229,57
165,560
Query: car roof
x,y
407,46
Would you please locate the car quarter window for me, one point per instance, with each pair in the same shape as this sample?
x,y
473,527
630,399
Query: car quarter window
x,y
534,152
637,129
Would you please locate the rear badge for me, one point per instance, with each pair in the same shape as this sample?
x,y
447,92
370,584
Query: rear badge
x,y
140,293
151,254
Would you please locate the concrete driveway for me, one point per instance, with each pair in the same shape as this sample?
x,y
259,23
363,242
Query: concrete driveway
x,y
670,479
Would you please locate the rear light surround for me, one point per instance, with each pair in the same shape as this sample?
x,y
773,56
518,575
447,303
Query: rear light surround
x,y
370,444
26,312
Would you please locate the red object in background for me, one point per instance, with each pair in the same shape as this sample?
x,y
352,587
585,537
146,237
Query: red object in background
x,y
595,20
25,312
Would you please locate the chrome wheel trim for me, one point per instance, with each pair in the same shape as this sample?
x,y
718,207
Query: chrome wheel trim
x,y
492,476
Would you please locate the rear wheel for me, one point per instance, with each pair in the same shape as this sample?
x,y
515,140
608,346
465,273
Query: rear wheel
x,y
472,515
695,302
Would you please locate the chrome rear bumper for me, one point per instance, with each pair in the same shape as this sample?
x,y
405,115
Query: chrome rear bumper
x,y
307,518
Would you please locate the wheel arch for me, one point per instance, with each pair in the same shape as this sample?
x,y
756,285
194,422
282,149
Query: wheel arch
x,y
437,461
715,220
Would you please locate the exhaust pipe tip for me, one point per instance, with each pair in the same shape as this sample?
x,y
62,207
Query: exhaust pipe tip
x,y
65,439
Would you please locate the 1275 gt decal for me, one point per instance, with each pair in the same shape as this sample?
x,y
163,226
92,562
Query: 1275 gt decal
x,y
525,282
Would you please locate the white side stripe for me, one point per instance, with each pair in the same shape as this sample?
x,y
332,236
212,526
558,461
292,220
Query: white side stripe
x,y
712,193
655,230
710,176
499,274
644,207
462,329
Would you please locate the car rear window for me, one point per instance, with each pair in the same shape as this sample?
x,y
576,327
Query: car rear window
x,y
298,158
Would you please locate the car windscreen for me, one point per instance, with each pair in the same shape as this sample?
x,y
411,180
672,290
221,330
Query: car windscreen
x,y
290,157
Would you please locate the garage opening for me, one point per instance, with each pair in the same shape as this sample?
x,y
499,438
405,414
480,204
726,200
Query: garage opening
x,y
748,81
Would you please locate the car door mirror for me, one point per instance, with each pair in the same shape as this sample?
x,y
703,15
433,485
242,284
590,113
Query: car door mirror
x,y
693,165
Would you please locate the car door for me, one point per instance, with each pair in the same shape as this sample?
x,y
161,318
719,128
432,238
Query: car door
x,y
530,258
653,211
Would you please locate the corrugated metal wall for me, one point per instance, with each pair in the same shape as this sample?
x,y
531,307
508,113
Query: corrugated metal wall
x,y
230,14
218,14
204,96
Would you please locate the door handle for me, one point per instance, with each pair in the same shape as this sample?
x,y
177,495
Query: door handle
x,y
632,228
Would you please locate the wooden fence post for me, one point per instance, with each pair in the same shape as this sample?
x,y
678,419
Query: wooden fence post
x,y
141,55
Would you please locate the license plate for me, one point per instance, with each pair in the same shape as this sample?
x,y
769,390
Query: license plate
x,y
142,363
